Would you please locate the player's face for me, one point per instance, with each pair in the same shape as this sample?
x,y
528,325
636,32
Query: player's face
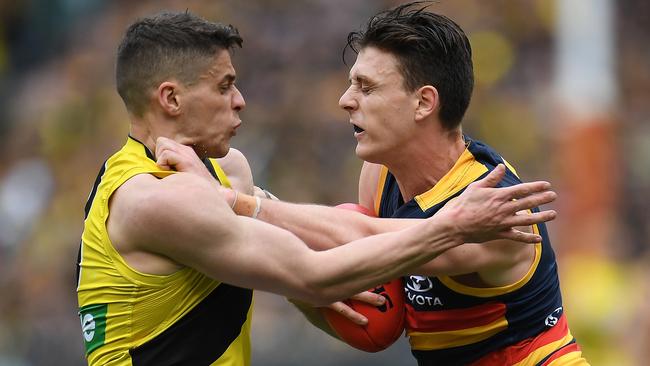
x,y
211,110
381,110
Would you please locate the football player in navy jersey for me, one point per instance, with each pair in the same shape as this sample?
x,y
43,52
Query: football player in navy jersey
x,y
497,303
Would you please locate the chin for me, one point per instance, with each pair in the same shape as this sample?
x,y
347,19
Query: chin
x,y
212,151
369,155
222,150
219,152
364,154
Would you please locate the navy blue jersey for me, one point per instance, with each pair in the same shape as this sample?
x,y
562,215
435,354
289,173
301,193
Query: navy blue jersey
x,y
449,323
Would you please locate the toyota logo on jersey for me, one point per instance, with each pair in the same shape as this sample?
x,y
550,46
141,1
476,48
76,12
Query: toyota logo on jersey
x,y
419,283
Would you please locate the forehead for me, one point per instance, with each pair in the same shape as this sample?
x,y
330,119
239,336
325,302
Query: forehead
x,y
220,66
375,64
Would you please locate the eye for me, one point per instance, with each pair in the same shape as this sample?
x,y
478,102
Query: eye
x,y
223,88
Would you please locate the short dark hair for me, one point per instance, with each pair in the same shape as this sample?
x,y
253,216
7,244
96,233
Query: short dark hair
x,y
178,45
431,50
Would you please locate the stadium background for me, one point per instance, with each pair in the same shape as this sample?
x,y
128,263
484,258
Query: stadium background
x,y
562,91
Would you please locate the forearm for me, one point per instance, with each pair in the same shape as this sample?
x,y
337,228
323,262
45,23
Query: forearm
x,y
274,260
253,254
363,263
323,227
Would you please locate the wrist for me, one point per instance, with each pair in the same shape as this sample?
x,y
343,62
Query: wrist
x,y
246,205
229,195
447,232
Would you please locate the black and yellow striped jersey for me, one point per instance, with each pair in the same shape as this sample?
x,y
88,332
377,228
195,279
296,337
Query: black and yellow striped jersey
x,y
134,318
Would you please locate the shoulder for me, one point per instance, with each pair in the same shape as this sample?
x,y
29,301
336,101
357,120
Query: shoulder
x,y
370,173
144,203
150,214
368,183
490,158
140,189
234,161
238,170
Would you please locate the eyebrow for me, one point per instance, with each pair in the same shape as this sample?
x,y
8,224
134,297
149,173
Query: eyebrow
x,y
361,79
228,78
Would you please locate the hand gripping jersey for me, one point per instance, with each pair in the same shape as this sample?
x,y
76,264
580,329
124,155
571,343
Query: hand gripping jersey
x,y
133,318
449,323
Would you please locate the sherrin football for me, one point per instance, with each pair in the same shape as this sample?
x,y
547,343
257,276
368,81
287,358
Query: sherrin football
x,y
385,323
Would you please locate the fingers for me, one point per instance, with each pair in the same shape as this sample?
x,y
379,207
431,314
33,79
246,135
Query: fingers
x,y
492,179
370,298
525,189
348,312
528,219
367,297
532,201
171,155
166,159
166,153
520,236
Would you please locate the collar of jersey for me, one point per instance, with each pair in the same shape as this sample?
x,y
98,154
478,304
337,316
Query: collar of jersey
x,y
466,170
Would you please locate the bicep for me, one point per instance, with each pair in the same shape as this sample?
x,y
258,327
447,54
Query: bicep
x,y
247,253
495,259
186,220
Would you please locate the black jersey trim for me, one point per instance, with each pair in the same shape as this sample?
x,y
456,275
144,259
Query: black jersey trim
x,y
93,192
208,164
148,152
202,335
87,208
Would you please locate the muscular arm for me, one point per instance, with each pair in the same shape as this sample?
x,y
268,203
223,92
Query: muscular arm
x,y
498,262
326,227
183,217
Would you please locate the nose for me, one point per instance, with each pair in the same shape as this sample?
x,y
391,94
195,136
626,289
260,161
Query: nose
x,y
347,101
238,102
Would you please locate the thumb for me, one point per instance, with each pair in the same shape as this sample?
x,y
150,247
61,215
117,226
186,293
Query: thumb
x,y
161,143
492,179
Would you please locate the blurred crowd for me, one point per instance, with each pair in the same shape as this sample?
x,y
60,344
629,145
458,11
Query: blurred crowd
x,y
60,118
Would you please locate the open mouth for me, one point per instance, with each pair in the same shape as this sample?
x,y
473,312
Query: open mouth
x,y
357,129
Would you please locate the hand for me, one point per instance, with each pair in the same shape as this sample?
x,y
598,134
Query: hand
x,y
173,155
483,213
367,297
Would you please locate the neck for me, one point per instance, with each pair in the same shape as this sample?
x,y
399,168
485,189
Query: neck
x,y
146,131
426,162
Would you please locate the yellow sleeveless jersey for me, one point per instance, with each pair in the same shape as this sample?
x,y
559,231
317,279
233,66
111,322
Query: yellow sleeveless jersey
x,y
133,318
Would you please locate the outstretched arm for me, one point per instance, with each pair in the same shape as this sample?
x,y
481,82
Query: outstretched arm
x,y
184,217
326,227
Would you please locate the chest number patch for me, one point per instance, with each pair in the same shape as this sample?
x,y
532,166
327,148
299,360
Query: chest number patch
x,y
93,325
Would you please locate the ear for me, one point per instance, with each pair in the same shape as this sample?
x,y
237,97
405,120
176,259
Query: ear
x,y
168,97
428,102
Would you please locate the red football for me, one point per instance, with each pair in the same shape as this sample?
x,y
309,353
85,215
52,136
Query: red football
x,y
385,323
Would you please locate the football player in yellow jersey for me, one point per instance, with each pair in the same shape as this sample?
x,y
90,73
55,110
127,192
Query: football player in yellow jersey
x,y
165,266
